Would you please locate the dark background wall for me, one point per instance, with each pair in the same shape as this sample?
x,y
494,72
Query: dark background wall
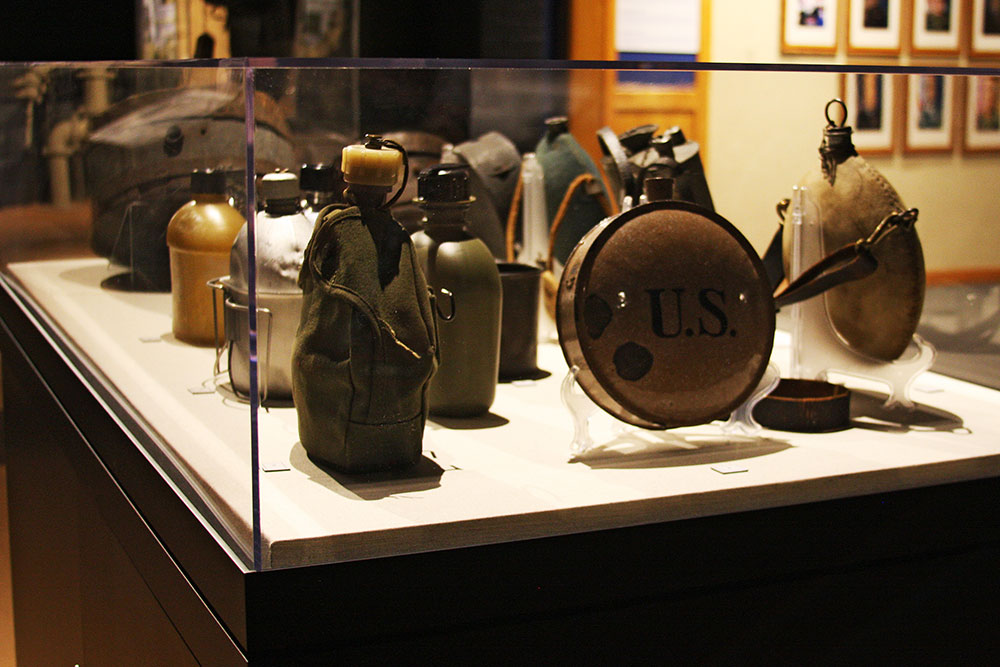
x,y
49,30
454,104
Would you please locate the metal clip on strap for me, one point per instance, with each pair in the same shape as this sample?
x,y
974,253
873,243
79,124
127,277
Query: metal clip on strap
x,y
773,262
905,220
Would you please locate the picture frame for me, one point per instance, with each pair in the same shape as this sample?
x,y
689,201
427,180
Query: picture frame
x,y
985,29
982,114
930,113
873,27
809,26
936,27
870,98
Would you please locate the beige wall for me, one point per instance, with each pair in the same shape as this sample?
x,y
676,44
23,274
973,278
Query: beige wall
x,y
764,129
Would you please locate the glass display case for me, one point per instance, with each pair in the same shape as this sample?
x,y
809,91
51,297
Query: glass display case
x,y
97,161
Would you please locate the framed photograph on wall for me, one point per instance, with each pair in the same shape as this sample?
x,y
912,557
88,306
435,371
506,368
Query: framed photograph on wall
x,y
870,101
930,116
873,26
936,26
809,26
985,28
982,114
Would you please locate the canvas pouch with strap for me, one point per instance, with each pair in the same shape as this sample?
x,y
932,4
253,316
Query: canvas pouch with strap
x,y
365,348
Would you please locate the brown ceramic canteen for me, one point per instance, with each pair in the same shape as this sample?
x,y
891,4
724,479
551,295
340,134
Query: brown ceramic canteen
x,y
667,313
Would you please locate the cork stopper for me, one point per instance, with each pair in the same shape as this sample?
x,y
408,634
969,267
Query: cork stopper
x,y
371,164
555,126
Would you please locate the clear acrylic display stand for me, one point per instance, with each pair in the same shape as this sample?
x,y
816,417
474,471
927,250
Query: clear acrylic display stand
x,y
817,349
589,435
535,228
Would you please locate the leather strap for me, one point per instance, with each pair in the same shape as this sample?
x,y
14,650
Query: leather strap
x,y
582,180
773,258
612,148
515,208
851,262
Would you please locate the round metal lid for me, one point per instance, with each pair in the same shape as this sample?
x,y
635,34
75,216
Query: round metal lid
x,y
667,312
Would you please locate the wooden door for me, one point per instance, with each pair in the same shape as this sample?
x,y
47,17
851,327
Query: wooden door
x,y
599,97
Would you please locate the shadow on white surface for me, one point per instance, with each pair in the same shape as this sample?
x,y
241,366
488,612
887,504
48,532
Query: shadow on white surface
x,y
424,476
660,449
869,412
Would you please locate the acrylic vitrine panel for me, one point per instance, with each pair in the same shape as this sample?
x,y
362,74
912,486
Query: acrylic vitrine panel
x,y
508,474
112,239
90,187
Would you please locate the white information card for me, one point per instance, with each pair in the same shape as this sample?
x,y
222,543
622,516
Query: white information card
x,y
658,26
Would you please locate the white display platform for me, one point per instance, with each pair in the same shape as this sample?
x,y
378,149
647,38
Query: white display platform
x,y
506,476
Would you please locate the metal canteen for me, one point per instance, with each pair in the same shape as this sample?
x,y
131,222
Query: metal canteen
x,y
667,313
423,150
281,238
277,321
463,275
365,349
877,315
633,157
199,236
616,150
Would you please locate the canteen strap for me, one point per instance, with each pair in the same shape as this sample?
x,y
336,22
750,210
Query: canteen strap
x,y
584,180
851,262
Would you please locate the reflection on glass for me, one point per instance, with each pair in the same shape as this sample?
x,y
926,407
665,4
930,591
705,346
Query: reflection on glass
x,y
988,103
938,17
876,14
869,102
931,100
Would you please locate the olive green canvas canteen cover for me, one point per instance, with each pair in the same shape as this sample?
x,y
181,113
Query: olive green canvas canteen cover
x,y
365,348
